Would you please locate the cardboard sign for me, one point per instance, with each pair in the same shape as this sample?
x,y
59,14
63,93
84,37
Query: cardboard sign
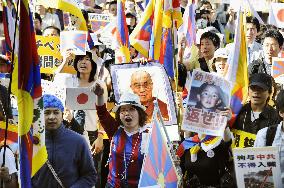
x,y
49,55
208,95
50,58
98,21
243,139
80,99
73,40
257,167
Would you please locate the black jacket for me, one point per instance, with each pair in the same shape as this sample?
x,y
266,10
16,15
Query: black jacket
x,y
267,117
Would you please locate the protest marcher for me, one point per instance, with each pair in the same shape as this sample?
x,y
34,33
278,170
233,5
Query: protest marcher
x,y
272,45
209,43
49,18
257,113
5,109
126,131
220,64
254,48
86,75
142,85
131,21
37,24
273,135
5,65
112,8
206,161
69,157
51,31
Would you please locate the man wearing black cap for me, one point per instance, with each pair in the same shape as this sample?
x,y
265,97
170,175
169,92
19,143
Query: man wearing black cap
x,y
257,113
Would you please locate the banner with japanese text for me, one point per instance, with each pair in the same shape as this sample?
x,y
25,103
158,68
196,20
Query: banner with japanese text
x,y
257,167
208,95
50,58
242,139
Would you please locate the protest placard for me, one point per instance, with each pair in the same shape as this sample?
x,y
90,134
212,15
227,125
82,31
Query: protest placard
x,y
98,21
50,58
242,139
73,40
208,95
80,99
257,167
48,49
150,82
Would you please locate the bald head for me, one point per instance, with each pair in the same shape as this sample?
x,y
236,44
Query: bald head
x,y
142,85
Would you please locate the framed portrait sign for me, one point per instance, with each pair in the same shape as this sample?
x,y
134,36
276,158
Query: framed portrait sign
x,y
208,95
150,82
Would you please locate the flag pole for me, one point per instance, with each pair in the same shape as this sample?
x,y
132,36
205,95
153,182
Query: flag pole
x,y
9,90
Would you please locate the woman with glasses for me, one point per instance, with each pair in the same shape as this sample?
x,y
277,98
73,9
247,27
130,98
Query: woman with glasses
x,y
127,132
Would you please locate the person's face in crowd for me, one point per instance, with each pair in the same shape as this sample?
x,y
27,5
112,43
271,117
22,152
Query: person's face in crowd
x,y
40,10
257,95
131,21
221,66
84,65
129,117
183,3
37,24
209,97
3,66
50,32
207,48
130,6
53,118
133,52
142,85
251,32
271,48
206,17
113,9
206,6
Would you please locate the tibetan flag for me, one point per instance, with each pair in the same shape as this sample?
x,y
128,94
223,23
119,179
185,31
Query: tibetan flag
x,y
122,53
238,72
277,67
276,14
71,6
158,169
172,19
12,136
166,57
28,91
147,35
188,28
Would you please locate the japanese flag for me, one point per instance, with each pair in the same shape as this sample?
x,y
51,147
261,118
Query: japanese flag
x,y
80,99
276,15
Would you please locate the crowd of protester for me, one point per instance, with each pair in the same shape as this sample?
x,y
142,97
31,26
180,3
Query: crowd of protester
x,y
106,150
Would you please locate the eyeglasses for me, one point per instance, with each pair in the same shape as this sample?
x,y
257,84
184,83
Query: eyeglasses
x,y
146,85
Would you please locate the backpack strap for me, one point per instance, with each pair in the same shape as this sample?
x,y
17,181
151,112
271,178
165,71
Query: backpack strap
x,y
270,134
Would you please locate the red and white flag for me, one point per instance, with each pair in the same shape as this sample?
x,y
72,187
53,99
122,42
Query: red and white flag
x,y
276,15
80,99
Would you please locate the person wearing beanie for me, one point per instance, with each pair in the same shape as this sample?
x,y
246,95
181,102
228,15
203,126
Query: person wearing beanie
x,y
69,155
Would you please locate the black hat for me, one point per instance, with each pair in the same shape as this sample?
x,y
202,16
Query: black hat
x,y
261,80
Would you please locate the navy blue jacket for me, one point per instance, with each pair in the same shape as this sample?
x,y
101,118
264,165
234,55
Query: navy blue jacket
x,y
70,156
